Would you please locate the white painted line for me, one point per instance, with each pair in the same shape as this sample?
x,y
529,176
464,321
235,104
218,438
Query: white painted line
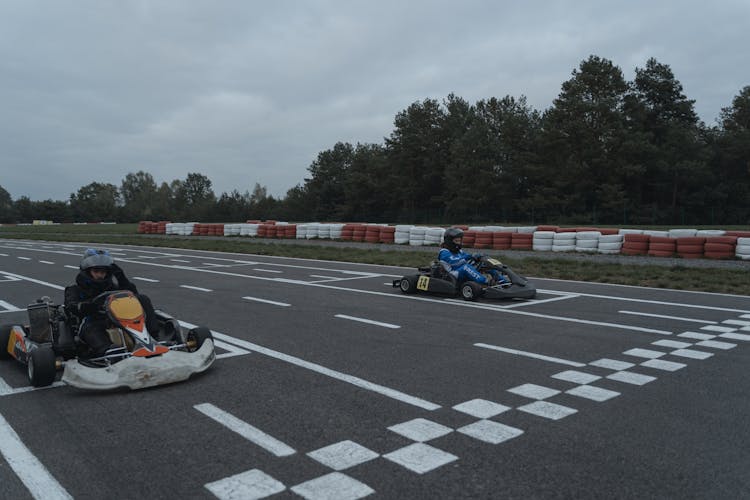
x,y
593,393
660,364
745,316
212,264
27,467
420,457
256,299
735,336
736,322
5,389
46,262
148,280
350,379
252,434
533,391
548,410
541,301
720,329
9,308
420,430
576,377
332,486
368,321
332,278
481,408
679,318
343,455
714,344
250,484
490,432
531,355
662,303
32,280
3,254
267,271
72,267
149,256
696,335
672,343
232,350
692,354
645,353
631,378
196,288
25,258
180,260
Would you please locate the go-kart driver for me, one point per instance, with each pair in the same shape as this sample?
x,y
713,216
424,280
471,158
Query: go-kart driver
x,y
97,268
457,262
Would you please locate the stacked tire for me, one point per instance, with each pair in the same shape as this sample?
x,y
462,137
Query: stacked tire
x,y
743,248
720,247
542,240
662,246
416,236
635,244
470,238
401,234
372,233
501,240
690,247
587,241
522,241
387,234
564,241
610,243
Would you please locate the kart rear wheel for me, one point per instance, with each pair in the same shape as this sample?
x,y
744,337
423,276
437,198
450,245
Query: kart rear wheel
x,y
4,339
408,285
470,291
196,337
42,366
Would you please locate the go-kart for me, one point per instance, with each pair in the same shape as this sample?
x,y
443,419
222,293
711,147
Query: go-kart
x,y
504,283
136,359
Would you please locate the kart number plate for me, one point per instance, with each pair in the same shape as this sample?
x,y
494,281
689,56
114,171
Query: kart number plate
x,y
423,282
494,262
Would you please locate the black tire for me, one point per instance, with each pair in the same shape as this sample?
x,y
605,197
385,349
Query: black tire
x,y
470,291
408,285
197,336
42,366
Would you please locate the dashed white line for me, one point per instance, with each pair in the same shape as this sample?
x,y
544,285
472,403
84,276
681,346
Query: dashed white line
x,y
265,301
267,271
71,267
38,480
46,262
149,280
189,287
252,434
9,307
180,260
368,321
25,258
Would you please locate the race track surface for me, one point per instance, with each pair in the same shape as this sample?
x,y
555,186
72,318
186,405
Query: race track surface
x,y
330,383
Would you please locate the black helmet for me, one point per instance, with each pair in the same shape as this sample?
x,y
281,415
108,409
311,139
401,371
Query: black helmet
x,y
96,258
449,236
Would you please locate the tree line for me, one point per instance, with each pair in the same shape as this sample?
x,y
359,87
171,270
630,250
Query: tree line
x,y
608,151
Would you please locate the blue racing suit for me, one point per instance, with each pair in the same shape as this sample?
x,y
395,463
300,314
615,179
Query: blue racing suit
x,y
460,267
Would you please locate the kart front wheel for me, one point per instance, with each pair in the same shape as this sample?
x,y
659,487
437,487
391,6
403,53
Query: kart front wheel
x,y
4,340
471,291
197,336
408,285
42,366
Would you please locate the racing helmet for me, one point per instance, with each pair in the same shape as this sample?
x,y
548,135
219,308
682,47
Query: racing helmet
x,y
93,258
449,236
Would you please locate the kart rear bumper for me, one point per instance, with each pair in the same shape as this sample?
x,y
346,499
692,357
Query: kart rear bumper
x,y
138,373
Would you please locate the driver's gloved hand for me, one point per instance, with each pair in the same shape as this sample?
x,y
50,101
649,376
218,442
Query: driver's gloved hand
x,y
117,272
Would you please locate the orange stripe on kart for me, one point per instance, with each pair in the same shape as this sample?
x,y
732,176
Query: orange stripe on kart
x,y
144,353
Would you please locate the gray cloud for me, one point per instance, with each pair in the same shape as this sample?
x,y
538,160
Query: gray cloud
x,y
246,92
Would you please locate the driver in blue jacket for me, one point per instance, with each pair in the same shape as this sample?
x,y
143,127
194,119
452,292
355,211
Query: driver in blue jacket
x,y
458,262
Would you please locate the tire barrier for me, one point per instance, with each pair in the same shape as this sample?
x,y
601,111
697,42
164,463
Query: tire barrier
x,y
683,242
635,244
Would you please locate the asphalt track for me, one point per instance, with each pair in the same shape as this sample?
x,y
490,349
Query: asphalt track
x,y
332,384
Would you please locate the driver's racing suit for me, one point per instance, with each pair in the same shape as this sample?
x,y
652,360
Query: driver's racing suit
x,y
460,267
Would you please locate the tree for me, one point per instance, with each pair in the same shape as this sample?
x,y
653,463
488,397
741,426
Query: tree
x,y
194,197
418,157
7,213
583,136
95,202
138,192
325,186
674,153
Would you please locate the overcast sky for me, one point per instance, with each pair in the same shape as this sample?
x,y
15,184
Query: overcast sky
x,y
248,92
